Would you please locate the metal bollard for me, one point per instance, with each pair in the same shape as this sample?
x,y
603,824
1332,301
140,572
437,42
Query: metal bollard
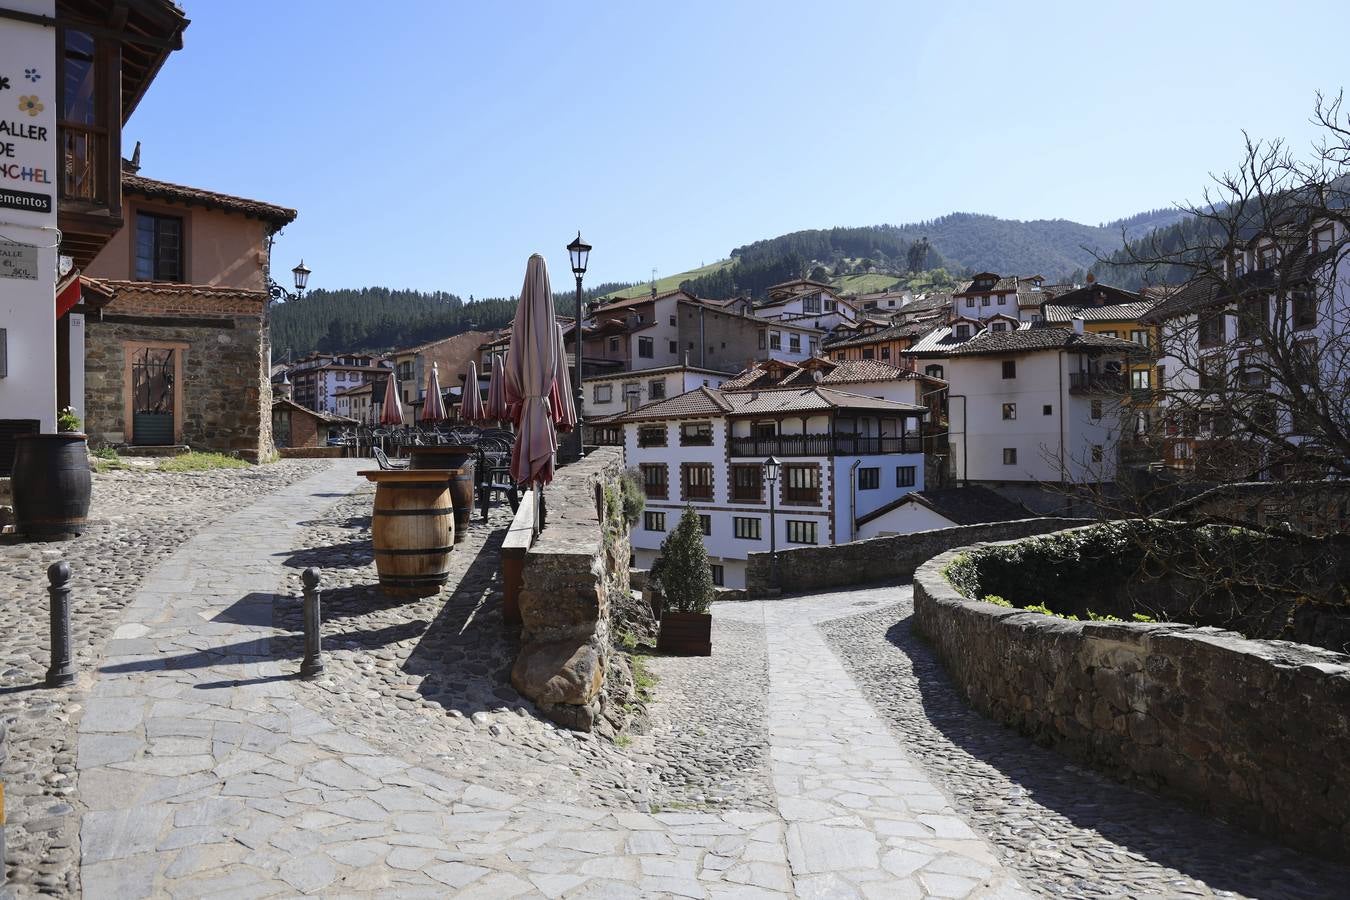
x,y
62,671
312,666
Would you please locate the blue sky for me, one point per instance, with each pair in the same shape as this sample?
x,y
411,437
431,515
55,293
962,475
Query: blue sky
x,y
436,145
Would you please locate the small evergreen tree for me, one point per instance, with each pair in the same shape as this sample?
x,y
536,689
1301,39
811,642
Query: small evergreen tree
x,y
686,578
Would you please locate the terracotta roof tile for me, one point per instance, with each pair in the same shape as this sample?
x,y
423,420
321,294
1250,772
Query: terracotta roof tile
x,y
120,288
149,187
1030,340
701,401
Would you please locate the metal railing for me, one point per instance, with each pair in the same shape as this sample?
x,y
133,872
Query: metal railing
x,y
824,445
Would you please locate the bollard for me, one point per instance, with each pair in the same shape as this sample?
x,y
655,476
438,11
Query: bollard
x,y
312,667
62,671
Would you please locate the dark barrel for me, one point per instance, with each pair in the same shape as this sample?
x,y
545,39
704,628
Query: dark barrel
x,y
459,459
51,486
412,530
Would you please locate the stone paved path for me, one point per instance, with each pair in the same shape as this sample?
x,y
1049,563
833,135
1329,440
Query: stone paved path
x,y
203,775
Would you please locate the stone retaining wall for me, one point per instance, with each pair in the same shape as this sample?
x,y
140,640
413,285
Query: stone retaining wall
x,y
1255,731
567,578
879,559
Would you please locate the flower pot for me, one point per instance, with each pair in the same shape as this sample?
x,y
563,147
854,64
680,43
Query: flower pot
x,y
685,634
51,485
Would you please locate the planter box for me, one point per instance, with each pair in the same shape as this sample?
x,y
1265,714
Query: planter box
x,y
685,634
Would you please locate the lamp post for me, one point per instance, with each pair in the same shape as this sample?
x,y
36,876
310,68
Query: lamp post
x,y
771,466
301,276
580,252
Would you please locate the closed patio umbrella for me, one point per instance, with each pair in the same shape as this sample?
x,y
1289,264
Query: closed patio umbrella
x,y
433,405
495,409
531,367
391,413
564,410
471,404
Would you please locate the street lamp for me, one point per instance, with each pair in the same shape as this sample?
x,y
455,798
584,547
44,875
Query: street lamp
x,y
580,251
277,292
771,467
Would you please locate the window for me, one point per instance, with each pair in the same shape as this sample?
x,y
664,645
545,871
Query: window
x,y
646,349
718,575
933,371
984,301
340,376
674,347
970,303
651,435
799,532
1140,337
886,352
602,393
656,389
1010,368
1109,334
654,483
1009,411
869,479
696,434
830,305
1212,373
1211,330
1139,379
811,304
868,353
696,481
962,332
761,339
775,340
746,527
159,248
763,430
1010,456
613,345
1002,299
999,326
673,321
839,357
1305,310
706,522
653,521
795,343
904,476
1047,410
1096,452
1096,410
801,484
813,344
1251,316
747,483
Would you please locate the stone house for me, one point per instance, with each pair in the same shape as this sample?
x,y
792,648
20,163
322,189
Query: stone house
x,y
176,342
296,426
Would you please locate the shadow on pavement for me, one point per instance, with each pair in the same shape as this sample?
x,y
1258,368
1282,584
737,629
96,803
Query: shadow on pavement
x,y
1159,828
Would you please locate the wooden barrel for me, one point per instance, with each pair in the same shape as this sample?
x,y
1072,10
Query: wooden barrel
x,y
413,530
51,486
461,496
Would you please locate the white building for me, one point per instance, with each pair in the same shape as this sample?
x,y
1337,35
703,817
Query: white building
x,y
1036,405
989,294
809,303
609,395
843,455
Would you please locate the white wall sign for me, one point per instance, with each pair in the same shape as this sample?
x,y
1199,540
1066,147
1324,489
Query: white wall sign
x,y
18,261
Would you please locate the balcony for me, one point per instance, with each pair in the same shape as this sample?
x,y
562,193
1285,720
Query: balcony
x,y
824,445
1097,382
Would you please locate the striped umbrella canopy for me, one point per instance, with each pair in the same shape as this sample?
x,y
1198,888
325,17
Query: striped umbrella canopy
x,y
471,404
496,393
392,411
433,405
531,367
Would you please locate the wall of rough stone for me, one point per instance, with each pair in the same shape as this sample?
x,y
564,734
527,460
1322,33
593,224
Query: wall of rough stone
x,y
880,559
568,577
225,406
1254,731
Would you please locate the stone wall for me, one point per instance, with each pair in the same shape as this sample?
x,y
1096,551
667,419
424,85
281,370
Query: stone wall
x,y
879,559
1254,731
568,577
226,396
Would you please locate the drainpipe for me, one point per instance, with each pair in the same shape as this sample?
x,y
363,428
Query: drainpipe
x,y
853,500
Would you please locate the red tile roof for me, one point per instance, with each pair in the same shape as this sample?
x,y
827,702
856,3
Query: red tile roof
x,y
163,190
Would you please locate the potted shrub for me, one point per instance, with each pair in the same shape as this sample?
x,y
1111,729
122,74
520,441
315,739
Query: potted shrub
x,y
686,581
51,482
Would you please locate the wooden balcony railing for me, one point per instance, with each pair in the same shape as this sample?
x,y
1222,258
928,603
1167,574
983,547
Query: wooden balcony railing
x,y
824,445
85,166
1096,382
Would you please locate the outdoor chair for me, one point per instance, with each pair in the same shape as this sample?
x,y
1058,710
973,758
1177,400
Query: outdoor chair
x,y
386,463
493,473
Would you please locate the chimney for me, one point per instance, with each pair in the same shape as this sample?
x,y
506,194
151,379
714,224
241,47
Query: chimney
x,y
1091,279
1077,324
134,164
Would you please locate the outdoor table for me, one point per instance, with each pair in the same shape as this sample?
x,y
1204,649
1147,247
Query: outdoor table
x,y
458,460
412,529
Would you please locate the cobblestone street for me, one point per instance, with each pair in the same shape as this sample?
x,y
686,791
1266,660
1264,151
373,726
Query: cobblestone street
x,y
818,753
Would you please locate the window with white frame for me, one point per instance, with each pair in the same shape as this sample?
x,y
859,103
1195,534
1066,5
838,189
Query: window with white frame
x,y
603,393
775,340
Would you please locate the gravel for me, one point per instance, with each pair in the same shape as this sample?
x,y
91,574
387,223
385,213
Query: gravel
x,y
1068,831
137,519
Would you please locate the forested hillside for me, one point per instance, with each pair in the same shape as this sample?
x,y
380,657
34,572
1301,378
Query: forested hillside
x,y
378,318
